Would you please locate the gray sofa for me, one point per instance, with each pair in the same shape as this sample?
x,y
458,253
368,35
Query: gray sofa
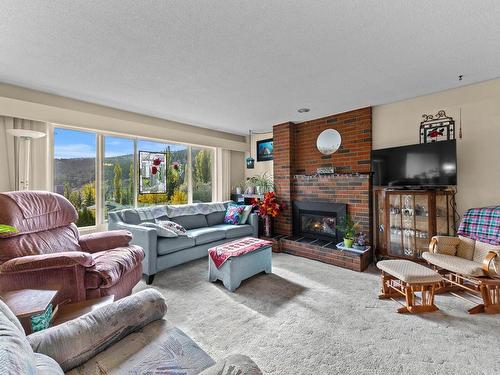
x,y
205,228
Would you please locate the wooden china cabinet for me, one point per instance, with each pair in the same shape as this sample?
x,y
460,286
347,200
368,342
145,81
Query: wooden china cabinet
x,y
405,220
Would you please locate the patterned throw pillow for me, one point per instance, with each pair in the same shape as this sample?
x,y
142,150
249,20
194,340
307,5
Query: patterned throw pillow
x,y
233,214
174,227
245,214
161,230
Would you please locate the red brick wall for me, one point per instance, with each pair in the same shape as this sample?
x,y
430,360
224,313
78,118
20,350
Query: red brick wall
x,y
355,128
283,152
295,153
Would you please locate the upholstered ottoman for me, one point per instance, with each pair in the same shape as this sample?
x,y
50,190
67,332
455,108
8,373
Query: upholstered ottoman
x,y
404,278
236,261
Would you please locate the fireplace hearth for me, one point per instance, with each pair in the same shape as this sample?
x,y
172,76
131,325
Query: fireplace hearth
x,y
318,220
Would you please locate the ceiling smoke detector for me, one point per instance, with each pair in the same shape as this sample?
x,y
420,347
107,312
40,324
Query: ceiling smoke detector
x,y
303,110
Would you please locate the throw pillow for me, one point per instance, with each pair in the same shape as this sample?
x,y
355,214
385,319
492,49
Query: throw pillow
x,y
174,227
245,214
161,231
233,214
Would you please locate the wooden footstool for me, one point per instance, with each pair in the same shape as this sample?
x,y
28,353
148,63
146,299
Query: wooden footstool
x,y
404,278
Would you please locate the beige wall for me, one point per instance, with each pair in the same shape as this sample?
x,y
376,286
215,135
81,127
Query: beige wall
x,y
35,105
478,151
237,168
261,167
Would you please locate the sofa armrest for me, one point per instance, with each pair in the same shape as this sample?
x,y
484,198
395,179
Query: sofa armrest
x,y
253,220
444,245
73,343
101,241
233,364
147,239
47,261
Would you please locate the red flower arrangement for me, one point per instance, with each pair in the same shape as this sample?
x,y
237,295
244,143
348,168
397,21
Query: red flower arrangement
x,y
269,206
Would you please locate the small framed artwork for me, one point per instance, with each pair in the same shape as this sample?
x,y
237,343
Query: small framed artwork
x,y
265,150
438,127
152,172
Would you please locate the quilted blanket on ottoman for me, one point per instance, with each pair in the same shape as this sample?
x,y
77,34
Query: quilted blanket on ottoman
x,y
220,254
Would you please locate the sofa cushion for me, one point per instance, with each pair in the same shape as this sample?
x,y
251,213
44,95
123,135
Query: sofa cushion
x,y
206,235
112,265
46,365
465,248
454,264
216,218
245,214
157,348
130,216
171,245
161,231
191,221
235,231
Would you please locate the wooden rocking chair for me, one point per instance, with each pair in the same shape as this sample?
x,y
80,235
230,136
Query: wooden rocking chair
x,y
469,266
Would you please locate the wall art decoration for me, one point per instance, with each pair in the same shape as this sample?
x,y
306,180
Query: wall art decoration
x,y
265,150
152,172
438,127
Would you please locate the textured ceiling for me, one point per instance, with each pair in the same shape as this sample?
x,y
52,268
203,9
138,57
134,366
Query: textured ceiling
x,y
239,65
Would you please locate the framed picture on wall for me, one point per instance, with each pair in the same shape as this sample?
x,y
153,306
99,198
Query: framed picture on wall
x,y
265,150
152,172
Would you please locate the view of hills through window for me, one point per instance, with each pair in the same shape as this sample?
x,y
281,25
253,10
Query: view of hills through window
x,y
75,171
75,155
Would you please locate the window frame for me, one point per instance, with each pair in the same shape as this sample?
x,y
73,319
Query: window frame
x,y
101,221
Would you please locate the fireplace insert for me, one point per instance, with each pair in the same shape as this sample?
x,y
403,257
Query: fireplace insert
x,y
318,220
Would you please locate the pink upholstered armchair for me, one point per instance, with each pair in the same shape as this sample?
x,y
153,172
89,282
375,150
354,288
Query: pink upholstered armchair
x,y
47,251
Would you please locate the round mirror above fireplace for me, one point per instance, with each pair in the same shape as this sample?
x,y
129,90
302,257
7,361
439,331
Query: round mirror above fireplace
x,y
328,141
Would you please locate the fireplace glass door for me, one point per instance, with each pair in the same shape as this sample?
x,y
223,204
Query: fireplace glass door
x,y
318,225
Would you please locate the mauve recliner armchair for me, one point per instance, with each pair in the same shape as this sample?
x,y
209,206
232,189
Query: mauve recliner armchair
x,y
47,252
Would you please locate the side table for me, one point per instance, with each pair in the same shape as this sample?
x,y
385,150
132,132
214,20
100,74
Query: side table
x,y
33,307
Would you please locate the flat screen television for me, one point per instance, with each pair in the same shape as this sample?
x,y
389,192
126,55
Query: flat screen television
x,y
423,165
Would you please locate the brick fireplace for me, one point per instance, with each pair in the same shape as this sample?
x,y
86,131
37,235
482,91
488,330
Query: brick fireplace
x,y
296,160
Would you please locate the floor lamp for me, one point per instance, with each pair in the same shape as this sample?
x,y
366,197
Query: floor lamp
x,y
24,140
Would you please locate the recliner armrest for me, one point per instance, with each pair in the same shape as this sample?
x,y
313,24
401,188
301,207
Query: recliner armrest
x,y
47,261
101,241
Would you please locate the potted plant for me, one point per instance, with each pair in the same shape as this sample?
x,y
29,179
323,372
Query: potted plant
x,y
268,208
239,187
259,184
348,227
7,229
360,242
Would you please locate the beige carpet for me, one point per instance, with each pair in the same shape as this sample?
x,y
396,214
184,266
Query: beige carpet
x,y
313,318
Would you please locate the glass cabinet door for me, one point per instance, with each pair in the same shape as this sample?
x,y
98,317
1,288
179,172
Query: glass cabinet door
x,y
394,235
380,230
421,212
444,216
408,225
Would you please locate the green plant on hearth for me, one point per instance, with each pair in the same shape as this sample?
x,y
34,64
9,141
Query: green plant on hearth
x,y
349,229
7,229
